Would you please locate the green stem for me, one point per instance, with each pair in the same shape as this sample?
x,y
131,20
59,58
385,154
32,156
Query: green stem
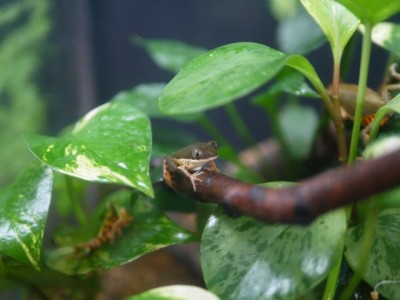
x,y
213,130
331,285
76,206
239,124
362,86
365,252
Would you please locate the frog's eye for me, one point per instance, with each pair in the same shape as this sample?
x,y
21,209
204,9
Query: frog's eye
x,y
197,154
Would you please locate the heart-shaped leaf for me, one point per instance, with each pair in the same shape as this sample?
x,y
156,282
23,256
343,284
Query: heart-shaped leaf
x,y
226,73
24,207
145,229
336,22
383,262
248,259
112,143
372,11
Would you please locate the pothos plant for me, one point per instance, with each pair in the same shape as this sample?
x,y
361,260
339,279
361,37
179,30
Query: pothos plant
x,y
241,258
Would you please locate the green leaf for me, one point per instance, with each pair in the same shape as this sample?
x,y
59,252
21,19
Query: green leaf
x,y
226,73
282,10
299,125
175,292
387,35
24,208
336,22
169,55
248,259
148,231
383,262
299,34
112,143
392,106
144,97
372,11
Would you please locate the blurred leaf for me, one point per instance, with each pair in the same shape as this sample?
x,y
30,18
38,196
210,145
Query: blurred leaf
x,y
175,292
387,35
24,26
148,231
372,11
112,143
144,97
226,73
248,259
383,262
382,146
299,125
169,55
336,22
392,106
282,10
25,205
299,34
289,81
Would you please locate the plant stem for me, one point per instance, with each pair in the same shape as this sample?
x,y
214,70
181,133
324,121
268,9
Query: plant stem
x,y
239,124
365,252
213,130
362,85
76,207
331,285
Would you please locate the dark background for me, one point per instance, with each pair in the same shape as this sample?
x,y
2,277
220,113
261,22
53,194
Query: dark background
x,y
92,57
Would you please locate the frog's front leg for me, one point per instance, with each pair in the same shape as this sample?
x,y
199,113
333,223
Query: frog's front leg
x,y
192,176
169,168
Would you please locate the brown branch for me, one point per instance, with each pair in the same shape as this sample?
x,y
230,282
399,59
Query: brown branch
x,y
302,202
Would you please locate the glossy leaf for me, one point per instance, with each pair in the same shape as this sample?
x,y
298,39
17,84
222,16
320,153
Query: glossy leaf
x,y
390,107
144,97
247,259
24,208
299,125
112,143
336,22
226,73
383,262
176,292
148,231
299,34
372,11
387,35
169,55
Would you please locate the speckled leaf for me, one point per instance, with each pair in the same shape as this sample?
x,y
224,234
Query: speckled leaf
x,y
169,55
387,35
226,73
144,97
176,292
112,143
148,231
247,259
336,22
24,206
372,11
383,262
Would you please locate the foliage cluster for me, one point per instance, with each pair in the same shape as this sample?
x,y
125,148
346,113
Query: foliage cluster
x,y
241,258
